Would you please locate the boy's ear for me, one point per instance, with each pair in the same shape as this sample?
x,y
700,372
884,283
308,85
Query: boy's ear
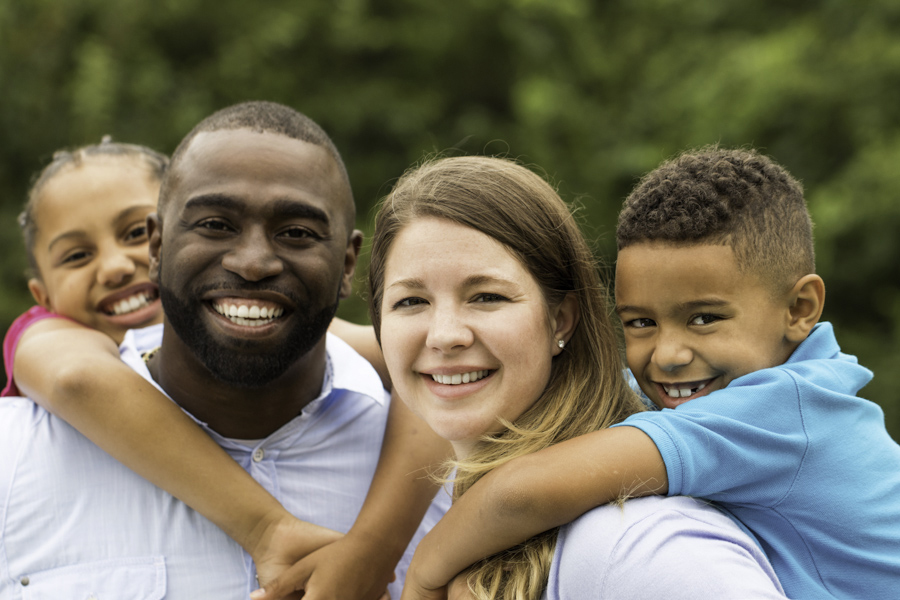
x,y
563,319
154,231
39,292
807,300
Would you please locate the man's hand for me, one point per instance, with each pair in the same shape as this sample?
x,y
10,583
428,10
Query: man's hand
x,y
348,568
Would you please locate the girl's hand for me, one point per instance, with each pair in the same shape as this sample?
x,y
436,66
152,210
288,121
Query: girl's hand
x,y
347,568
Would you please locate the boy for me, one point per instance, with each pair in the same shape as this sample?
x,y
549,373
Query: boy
x,y
716,289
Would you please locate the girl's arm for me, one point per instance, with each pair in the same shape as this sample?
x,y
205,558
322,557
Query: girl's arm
x,y
532,494
75,373
362,339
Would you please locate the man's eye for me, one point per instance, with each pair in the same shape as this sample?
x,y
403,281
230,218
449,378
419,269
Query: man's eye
x,y
640,323
704,319
214,225
299,233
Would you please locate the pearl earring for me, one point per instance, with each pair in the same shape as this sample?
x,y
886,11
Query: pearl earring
x,y
561,344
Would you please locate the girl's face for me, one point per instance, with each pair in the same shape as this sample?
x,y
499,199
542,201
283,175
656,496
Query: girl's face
x,y
466,331
91,245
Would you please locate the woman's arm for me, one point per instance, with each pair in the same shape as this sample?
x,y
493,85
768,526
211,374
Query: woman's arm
x,y
532,494
75,373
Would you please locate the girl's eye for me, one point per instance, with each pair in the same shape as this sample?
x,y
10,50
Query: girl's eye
x,y
640,323
704,319
408,302
136,234
488,297
74,257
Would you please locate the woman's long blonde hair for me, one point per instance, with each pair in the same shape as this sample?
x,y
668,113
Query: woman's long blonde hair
x,y
586,390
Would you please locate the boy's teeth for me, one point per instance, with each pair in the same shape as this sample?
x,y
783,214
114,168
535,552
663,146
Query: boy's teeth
x,y
252,316
460,377
683,392
127,305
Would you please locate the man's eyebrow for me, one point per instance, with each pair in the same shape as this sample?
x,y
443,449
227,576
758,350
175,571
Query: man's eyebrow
x,y
213,201
284,208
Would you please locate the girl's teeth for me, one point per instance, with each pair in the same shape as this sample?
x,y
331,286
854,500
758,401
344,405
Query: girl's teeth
x,y
127,305
460,377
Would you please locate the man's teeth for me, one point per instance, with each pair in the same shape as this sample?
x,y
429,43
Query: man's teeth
x,y
460,377
683,392
131,304
253,316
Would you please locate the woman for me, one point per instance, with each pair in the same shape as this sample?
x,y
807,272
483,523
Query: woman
x,y
495,329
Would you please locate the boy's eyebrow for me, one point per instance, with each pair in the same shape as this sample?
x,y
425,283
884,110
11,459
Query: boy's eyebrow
x,y
680,307
282,208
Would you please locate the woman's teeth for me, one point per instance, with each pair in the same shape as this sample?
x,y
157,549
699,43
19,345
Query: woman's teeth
x,y
254,316
460,377
127,305
683,392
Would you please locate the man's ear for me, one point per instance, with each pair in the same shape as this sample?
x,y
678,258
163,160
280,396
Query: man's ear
x,y
563,320
154,232
807,300
350,257
39,292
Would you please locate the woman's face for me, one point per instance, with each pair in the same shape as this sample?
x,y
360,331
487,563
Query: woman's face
x,y
465,329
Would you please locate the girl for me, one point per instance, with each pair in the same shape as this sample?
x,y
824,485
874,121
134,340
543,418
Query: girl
x,y
85,235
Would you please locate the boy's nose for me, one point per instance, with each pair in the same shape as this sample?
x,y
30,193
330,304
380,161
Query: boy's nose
x,y
448,332
253,258
671,352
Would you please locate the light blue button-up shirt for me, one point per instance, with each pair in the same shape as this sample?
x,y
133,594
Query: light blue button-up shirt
x,y
76,524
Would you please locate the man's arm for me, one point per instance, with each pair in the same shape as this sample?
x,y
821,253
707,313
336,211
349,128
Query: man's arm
x,y
532,494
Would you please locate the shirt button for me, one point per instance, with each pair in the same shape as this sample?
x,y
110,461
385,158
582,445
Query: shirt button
x,y
24,581
258,454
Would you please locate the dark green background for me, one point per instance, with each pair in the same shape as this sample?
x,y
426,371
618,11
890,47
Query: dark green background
x,y
595,93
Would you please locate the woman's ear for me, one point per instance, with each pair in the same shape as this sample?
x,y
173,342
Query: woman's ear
x,y
563,320
807,300
39,292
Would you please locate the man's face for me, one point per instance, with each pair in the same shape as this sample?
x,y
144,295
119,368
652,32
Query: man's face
x,y
253,251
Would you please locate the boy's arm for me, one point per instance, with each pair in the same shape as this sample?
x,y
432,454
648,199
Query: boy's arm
x,y
400,494
532,494
75,373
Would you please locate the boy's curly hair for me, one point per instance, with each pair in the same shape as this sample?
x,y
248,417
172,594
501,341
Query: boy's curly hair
x,y
730,197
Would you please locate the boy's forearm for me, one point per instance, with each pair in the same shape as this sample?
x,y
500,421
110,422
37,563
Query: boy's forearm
x,y
535,493
83,382
401,490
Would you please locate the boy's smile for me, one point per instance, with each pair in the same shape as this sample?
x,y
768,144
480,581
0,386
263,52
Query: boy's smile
x,y
693,322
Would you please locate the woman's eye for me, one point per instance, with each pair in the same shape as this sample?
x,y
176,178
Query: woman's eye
x,y
640,323
704,319
406,302
488,297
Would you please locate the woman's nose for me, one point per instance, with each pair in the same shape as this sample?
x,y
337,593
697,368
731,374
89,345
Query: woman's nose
x,y
448,330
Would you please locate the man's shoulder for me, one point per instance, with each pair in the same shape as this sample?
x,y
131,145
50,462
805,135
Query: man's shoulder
x,y
352,372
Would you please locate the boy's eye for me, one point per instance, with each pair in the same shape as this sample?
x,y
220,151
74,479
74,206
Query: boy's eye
x,y
704,319
640,323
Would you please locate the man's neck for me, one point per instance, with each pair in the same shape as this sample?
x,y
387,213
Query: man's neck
x,y
233,411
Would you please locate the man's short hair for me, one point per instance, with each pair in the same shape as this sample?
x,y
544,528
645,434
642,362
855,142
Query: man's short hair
x,y
261,117
729,197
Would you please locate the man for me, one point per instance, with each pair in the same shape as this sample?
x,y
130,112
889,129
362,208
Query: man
x,y
253,247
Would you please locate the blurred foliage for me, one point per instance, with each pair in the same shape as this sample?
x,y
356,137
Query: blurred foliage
x,y
595,93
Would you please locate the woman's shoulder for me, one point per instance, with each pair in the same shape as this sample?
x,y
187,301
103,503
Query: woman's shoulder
x,y
651,545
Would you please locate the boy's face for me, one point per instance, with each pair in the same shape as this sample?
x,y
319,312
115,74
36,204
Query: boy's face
x,y
693,322
91,245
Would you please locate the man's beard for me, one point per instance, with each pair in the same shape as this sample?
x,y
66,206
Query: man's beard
x,y
262,362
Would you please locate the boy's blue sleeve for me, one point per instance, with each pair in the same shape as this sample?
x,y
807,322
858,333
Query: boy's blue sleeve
x,y
742,444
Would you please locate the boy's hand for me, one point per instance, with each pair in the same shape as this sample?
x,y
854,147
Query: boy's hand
x,y
348,568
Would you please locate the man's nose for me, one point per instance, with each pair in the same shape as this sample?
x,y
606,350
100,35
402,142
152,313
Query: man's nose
x,y
448,331
254,257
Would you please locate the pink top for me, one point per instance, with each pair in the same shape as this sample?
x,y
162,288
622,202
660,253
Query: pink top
x,y
11,342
